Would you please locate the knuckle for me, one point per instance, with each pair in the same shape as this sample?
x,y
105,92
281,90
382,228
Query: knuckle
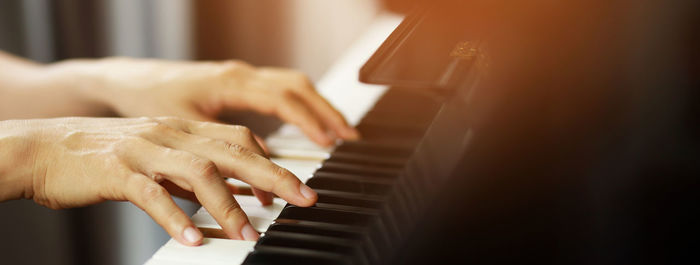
x,y
204,169
152,192
245,131
170,119
160,128
230,67
280,174
235,149
232,209
145,119
177,122
287,95
239,151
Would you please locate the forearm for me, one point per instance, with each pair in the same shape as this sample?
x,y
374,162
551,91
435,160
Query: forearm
x,y
16,161
32,90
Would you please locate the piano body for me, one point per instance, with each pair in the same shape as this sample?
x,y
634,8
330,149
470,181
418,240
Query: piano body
x,y
500,132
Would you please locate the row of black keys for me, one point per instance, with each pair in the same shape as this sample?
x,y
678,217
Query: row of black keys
x,y
366,199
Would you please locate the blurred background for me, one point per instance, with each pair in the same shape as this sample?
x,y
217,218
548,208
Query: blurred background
x,y
303,34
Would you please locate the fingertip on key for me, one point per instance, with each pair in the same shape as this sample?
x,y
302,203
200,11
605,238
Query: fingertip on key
x,y
192,235
323,139
307,192
249,233
352,134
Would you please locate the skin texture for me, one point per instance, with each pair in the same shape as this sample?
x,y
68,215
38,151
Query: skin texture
x,y
175,148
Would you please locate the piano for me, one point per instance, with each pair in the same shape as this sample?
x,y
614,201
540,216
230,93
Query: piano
x,y
291,149
497,136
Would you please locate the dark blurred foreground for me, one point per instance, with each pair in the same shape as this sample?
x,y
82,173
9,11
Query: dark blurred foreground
x,y
587,137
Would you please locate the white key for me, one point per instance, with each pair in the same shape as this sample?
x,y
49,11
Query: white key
x,y
303,169
290,142
260,216
213,251
154,261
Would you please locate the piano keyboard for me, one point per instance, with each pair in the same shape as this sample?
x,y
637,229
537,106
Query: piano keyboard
x,y
357,216
364,199
315,166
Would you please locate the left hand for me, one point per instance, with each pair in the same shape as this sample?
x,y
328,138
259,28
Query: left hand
x,y
202,90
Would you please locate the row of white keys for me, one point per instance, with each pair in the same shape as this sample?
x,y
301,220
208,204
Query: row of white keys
x,y
260,216
217,251
290,141
291,150
213,251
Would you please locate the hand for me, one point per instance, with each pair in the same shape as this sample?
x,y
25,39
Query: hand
x,y
201,90
71,162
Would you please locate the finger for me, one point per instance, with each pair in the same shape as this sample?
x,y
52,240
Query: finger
x,y
188,195
175,190
264,197
262,145
201,176
291,109
286,106
234,134
331,117
228,133
155,200
236,161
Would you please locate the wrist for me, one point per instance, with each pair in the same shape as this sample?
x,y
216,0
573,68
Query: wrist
x,y
82,80
17,160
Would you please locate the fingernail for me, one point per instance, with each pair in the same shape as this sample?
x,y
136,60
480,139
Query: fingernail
x,y
306,191
192,235
249,233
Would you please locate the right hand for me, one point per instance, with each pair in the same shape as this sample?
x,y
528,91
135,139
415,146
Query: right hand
x,y
72,162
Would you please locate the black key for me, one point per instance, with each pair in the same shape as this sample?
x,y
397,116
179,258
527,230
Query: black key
x,y
357,200
355,169
373,131
365,159
349,248
333,230
316,228
327,215
360,178
349,183
356,217
281,255
385,220
399,120
374,149
365,218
